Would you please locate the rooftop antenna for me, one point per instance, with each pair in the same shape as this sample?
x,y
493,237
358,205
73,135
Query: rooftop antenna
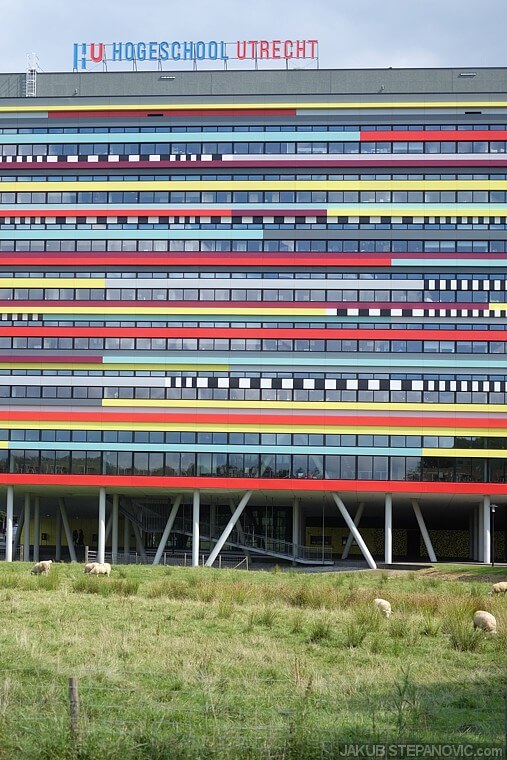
x,y
32,67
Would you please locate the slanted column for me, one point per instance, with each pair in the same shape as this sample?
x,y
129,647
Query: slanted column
x,y
26,531
114,536
36,528
101,544
424,531
355,532
68,533
9,523
195,528
350,537
388,530
486,531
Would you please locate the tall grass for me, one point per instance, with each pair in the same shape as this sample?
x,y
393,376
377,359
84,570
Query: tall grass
x,y
201,663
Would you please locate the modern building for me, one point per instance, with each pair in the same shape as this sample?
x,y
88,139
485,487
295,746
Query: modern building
x,y
243,309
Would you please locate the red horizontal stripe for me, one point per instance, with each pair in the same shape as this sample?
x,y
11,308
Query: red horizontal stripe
x,y
49,358
261,418
200,259
252,484
257,259
29,306
166,212
254,332
453,135
147,113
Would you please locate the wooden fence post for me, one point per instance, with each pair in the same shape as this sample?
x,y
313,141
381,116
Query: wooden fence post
x,y
74,707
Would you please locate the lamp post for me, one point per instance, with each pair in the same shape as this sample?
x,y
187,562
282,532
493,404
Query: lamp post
x,y
493,508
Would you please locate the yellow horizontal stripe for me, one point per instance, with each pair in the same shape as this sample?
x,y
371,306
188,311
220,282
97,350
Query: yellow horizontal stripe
x,y
139,308
51,282
243,427
115,185
314,405
469,453
129,367
497,306
337,105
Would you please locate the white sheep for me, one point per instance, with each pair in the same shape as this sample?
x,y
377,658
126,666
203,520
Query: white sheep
x,y
500,588
485,621
89,566
99,568
42,568
383,606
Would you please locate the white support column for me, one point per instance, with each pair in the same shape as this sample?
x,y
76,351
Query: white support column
x,y
58,535
480,533
168,528
114,538
296,526
486,531
350,524
26,529
139,541
227,530
350,537
66,527
196,510
8,526
36,528
388,529
424,532
126,536
101,533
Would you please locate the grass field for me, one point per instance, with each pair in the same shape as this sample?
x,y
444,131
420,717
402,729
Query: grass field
x,y
185,663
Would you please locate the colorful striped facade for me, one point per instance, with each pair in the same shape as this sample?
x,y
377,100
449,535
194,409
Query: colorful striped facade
x,y
293,301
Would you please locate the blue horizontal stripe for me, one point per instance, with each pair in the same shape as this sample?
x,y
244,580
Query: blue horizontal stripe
x,y
179,137
213,448
334,359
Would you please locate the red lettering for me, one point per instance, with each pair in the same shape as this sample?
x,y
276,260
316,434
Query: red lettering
x,y
97,57
287,49
300,49
263,49
314,46
241,49
253,48
275,48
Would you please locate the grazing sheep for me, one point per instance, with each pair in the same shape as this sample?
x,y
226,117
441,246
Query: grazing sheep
x,y
383,607
485,621
42,568
88,566
99,568
500,588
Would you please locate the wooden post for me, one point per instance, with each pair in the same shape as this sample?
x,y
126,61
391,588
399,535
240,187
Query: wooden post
x,y
86,550
74,707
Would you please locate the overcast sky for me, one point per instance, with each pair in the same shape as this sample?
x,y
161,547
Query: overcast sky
x,y
351,33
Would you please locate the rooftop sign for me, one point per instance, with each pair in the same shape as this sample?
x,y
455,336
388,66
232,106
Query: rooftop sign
x,y
88,54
